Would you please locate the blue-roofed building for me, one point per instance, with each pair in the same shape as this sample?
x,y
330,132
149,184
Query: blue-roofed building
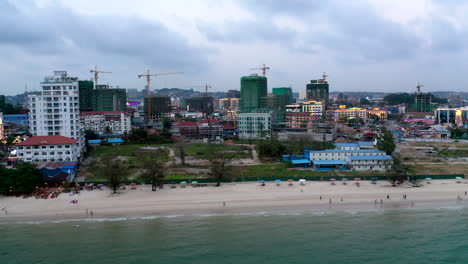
x,y
328,165
94,142
115,141
19,119
356,159
357,145
301,163
370,162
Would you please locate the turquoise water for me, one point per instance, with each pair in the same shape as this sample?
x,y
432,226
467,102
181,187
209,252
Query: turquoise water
x,y
391,236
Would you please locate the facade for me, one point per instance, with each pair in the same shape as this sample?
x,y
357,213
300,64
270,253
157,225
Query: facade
x,y
229,104
254,125
202,104
382,114
315,108
253,88
452,116
40,149
318,90
286,93
106,123
210,129
299,119
55,111
160,105
355,159
354,112
103,98
423,102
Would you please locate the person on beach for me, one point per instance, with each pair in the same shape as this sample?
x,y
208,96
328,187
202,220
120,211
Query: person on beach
x,y
466,193
381,201
404,196
341,198
224,203
92,213
375,201
320,197
330,201
388,196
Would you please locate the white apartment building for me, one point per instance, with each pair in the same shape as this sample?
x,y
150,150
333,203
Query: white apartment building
x,y
342,154
102,123
55,111
48,149
254,125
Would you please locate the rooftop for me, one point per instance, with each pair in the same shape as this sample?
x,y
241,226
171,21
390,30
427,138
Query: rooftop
x,y
371,157
329,162
348,151
47,140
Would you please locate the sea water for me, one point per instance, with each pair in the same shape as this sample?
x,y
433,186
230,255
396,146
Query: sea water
x,y
380,236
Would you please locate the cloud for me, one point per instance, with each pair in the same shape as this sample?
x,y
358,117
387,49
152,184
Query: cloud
x,y
59,31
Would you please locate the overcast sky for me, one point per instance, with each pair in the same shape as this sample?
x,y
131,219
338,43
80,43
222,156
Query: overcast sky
x,y
364,45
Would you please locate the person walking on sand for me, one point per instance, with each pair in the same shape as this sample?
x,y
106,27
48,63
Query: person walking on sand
x,y
375,201
466,193
92,213
341,198
320,197
404,196
381,201
224,203
388,196
330,201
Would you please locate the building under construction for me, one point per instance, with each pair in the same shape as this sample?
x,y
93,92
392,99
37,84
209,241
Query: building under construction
x,y
202,104
318,90
103,98
423,101
160,105
253,88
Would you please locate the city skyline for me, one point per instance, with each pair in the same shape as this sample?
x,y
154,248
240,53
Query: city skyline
x,y
361,47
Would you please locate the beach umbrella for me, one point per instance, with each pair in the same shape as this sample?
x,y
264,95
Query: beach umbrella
x,y
344,179
332,179
459,178
357,179
428,178
194,182
302,180
183,182
262,181
373,179
132,184
290,180
278,181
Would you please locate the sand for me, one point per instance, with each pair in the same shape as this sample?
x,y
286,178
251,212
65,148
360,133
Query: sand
x,y
233,198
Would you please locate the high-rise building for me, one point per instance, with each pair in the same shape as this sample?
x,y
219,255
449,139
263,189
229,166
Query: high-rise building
x,y
55,111
202,104
286,93
102,98
253,88
423,102
160,105
317,90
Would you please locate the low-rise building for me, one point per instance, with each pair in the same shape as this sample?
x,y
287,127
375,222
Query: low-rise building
x,y
40,149
106,123
254,125
355,159
354,112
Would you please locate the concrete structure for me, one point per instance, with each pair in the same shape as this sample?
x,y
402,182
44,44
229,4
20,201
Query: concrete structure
x,y
229,104
55,111
316,108
204,129
106,123
356,159
452,116
254,125
202,104
354,112
318,90
423,102
160,105
40,149
253,88
103,98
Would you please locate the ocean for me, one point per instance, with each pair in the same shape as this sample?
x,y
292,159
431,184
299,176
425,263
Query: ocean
x,y
380,236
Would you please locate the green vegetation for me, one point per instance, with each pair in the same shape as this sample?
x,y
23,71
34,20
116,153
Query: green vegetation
x,y
203,151
386,143
453,153
23,179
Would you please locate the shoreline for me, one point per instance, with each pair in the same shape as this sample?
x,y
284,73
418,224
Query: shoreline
x,y
233,199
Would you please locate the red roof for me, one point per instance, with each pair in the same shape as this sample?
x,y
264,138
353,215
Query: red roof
x,y
47,140
187,124
214,122
228,127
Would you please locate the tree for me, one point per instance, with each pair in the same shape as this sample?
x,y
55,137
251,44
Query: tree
x,y
154,170
364,101
90,134
218,163
386,143
28,177
108,130
181,148
113,172
398,171
138,135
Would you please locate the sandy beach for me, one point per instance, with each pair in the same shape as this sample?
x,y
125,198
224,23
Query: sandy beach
x,y
234,198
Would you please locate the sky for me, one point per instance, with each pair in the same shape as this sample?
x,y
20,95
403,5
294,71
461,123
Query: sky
x,y
363,45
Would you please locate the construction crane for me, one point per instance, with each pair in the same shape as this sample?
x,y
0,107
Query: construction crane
x,y
418,87
148,76
324,76
96,75
206,88
264,69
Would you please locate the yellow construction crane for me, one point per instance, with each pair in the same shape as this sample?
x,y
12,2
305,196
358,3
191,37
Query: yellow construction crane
x,y
96,75
148,76
264,69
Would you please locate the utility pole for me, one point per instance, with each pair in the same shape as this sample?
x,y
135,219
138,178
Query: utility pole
x,y
96,75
